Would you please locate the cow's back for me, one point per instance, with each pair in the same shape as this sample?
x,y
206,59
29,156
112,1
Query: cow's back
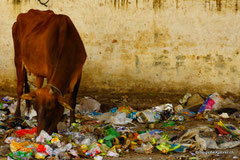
x,y
33,18
50,46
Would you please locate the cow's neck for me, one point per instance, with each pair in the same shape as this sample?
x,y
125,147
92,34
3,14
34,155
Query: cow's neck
x,y
58,91
59,83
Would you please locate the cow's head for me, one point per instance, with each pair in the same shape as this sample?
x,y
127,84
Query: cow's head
x,y
49,106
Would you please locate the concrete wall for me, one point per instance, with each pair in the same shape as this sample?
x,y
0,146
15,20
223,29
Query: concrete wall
x,y
144,45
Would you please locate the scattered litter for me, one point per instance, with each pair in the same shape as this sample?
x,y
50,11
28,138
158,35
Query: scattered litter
x,y
123,130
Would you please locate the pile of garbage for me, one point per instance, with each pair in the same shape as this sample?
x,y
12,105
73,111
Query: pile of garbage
x,y
118,132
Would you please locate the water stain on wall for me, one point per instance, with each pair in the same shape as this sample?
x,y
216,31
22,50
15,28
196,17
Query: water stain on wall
x,y
119,3
137,61
212,5
219,5
16,6
18,2
220,62
157,4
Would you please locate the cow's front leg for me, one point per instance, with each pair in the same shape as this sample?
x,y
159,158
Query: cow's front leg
x,y
27,90
72,101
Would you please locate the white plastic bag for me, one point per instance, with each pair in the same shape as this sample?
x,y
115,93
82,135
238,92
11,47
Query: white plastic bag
x,y
88,105
120,118
43,136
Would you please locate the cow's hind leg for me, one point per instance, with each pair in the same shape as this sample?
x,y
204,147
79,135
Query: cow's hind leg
x,y
27,90
72,101
20,83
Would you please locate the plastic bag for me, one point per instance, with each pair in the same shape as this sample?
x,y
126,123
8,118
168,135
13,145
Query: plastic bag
x,y
164,108
88,105
22,146
228,145
8,99
77,137
211,144
112,152
43,136
57,151
104,148
21,155
49,150
41,148
93,150
165,147
22,132
170,123
9,140
73,152
3,116
121,118
126,109
145,148
98,157
212,102
145,137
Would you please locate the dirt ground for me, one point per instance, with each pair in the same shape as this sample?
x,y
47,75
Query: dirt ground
x,y
140,101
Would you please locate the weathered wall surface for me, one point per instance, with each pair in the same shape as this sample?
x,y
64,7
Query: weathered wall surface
x,y
144,45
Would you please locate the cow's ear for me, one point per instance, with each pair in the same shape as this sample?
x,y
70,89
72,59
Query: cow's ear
x,y
63,102
29,96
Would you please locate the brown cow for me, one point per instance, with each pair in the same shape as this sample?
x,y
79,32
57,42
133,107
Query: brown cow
x,y
49,46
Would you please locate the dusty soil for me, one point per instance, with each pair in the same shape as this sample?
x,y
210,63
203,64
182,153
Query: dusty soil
x,y
138,101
